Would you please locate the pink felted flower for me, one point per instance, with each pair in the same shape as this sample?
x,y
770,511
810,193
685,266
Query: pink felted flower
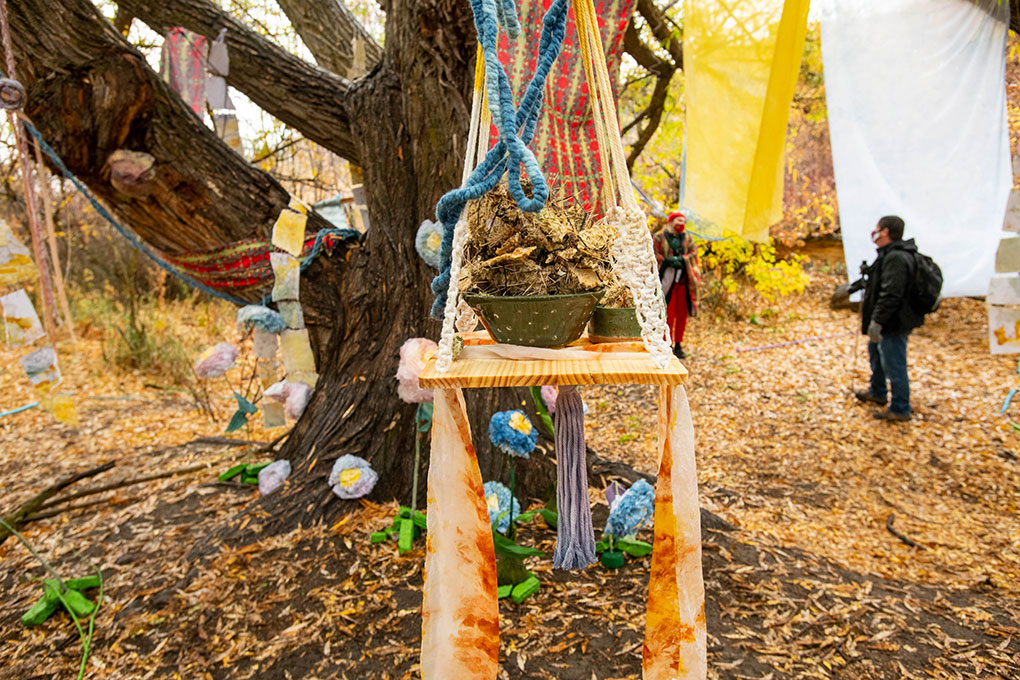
x,y
414,354
549,394
216,360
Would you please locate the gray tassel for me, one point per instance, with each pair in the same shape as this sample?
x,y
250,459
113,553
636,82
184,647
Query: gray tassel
x,y
575,538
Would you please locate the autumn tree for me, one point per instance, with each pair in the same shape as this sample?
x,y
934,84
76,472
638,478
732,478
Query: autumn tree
x,y
404,122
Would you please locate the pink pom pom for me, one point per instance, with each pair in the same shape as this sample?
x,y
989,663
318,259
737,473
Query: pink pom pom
x,y
549,394
216,360
414,354
297,394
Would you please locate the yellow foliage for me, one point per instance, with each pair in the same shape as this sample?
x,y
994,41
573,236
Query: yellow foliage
x,y
734,259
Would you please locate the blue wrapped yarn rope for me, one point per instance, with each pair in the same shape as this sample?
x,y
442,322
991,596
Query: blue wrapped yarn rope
x,y
511,151
575,537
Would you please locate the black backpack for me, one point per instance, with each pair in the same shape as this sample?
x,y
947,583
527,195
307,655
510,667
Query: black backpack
x,y
926,286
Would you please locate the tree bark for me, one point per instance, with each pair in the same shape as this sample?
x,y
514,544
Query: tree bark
x,y
328,30
92,95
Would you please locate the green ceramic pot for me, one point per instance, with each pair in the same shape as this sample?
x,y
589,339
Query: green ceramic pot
x,y
535,320
610,324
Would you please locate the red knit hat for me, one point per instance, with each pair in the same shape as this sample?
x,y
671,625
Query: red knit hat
x,y
675,213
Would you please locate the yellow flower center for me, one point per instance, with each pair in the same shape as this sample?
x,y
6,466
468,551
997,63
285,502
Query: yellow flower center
x,y
520,422
492,500
433,241
349,476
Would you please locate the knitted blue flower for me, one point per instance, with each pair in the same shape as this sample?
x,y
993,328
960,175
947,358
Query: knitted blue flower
x,y
633,510
260,317
497,498
513,433
427,242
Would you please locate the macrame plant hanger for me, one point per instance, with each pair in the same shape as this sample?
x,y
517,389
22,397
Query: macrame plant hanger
x,y
460,620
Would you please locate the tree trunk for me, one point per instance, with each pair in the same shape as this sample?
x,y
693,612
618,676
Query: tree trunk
x,y
406,123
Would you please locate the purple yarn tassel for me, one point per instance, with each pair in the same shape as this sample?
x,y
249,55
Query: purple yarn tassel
x,y
575,538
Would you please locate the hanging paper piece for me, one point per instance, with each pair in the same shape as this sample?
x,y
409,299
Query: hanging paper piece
x,y
1003,329
917,118
565,141
1004,290
289,230
292,315
297,351
264,344
182,65
41,368
287,273
1007,255
218,96
741,63
60,406
15,260
1012,220
21,323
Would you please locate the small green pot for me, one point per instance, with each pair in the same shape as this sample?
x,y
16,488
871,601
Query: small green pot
x,y
612,559
534,320
610,324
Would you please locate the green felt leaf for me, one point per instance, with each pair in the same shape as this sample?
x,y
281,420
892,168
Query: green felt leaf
x,y
540,408
423,416
237,421
232,472
244,405
634,547
504,546
503,591
406,536
523,591
378,537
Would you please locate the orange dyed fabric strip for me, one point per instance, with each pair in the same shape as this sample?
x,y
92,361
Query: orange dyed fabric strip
x,y
675,623
460,616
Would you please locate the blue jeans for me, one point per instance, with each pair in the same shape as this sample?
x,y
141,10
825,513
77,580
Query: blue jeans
x,y
889,361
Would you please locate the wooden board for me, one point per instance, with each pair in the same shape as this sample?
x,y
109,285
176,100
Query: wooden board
x,y
616,363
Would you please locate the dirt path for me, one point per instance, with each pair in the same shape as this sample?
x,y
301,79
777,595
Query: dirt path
x,y
810,584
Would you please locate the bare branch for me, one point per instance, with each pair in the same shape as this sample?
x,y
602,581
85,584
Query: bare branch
x,y
664,30
303,96
329,29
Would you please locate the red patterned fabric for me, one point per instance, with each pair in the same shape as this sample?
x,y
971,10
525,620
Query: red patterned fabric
x,y
564,141
242,264
182,65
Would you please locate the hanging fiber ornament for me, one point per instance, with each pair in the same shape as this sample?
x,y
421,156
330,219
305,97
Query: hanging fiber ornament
x,y
511,151
12,94
575,537
261,317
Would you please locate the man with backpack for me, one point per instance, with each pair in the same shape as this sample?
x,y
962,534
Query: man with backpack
x,y
902,286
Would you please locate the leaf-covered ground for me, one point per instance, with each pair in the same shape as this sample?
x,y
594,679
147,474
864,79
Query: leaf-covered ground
x,y
807,583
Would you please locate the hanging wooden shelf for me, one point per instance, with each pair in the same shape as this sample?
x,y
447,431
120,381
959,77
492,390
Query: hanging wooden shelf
x,y
609,363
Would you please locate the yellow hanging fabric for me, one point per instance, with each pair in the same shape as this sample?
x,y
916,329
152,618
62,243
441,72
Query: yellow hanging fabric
x,y
741,64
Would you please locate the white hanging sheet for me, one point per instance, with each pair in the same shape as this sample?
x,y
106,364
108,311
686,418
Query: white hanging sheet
x,y
917,118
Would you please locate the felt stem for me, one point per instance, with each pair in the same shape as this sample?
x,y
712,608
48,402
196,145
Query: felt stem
x,y
511,533
414,476
575,539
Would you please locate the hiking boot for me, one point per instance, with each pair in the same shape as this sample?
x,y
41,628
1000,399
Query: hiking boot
x,y
678,352
869,398
891,415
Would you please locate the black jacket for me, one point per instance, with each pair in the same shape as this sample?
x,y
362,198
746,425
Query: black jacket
x,y
886,294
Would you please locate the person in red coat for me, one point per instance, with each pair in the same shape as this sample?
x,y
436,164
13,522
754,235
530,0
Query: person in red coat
x,y
677,255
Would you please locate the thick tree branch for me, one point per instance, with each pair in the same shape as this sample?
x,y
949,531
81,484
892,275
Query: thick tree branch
x,y
654,116
303,96
663,30
329,29
134,142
